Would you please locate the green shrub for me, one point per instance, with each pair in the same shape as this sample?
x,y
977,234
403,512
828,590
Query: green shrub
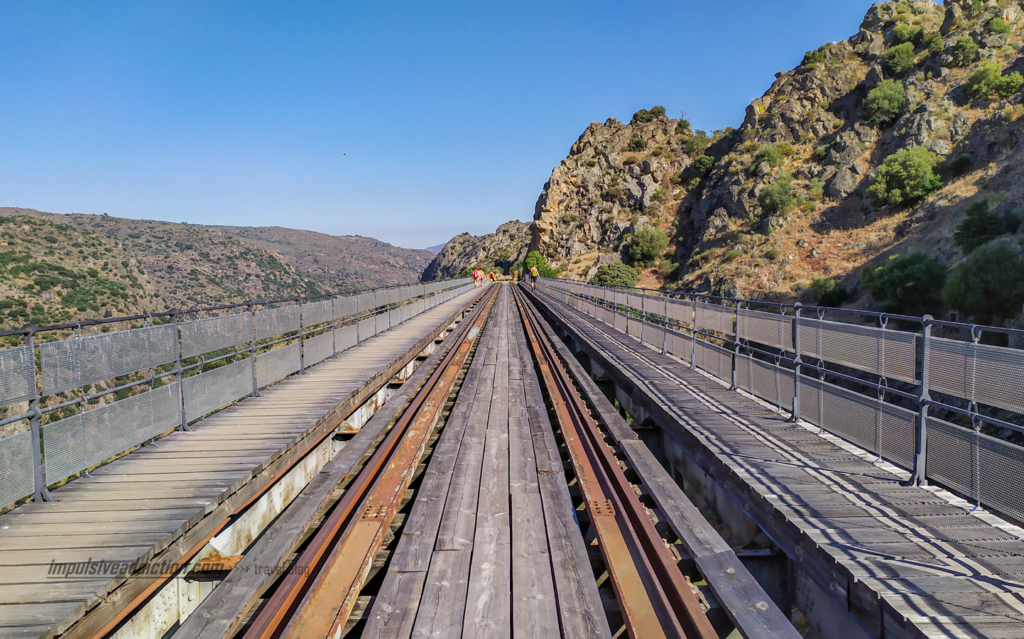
x,y
632,159
786,149
820,153
777,196
909,284
683,127
697,143
934,43
998,26
884,103
817,189
615,274
899,60
768,153
989,285
906,176
647,245
960,165
703,163
534,258
636,143
812,58
907,33
964,51
826,293
989,82
980,226
773,253
643,115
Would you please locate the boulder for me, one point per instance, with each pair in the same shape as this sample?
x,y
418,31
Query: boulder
x,y
843,184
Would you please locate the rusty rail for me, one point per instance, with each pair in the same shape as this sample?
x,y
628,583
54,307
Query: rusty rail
x,y
317,595
654,597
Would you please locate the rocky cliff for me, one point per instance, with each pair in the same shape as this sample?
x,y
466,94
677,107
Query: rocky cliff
x,y
813,133
500,250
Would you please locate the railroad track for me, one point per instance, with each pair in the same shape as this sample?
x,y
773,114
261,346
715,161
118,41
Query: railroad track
x,y
319,592
654,597
332,578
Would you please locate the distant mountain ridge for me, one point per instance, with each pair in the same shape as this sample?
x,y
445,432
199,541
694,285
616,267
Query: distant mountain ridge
x,y
59,268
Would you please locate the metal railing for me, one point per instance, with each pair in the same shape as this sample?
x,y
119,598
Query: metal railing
x,y
925,394
81,399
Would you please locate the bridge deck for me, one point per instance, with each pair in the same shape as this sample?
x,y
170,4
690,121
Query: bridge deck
x,y
905,561
162,499
491,542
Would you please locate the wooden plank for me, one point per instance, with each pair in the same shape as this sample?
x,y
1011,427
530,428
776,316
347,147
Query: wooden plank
x,y
443,602
394,610
487,611
534,607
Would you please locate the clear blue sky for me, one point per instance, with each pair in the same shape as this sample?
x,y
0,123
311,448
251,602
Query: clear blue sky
x,y
409,122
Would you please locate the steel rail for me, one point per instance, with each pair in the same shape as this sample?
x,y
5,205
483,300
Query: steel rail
x,y
328,559
655,599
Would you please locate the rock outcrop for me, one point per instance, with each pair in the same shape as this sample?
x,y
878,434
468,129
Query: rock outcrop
x,y
813,123
501,249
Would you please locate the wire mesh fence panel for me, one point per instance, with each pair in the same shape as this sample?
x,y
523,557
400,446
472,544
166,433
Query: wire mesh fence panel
x,y
888,353
315,313
980,467
345,337
990,375
380,299
214,389
394,317
771,329
771,383
866,421
394,296
681,311
277,364
713,317
620,298
214,333
620,322
277,321
344,307
365,302
654,335
680,345
366,328
317,348
714,359
17,376
16,480
73,363
633,326
79,442
635,302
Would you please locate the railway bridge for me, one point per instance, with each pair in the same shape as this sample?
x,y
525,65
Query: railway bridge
x,y
567,460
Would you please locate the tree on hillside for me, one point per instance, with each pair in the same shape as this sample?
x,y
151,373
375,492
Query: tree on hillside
x,y
905,176
644,115
884,103
615,274
989,285
647,245
534,258
981,226
908,284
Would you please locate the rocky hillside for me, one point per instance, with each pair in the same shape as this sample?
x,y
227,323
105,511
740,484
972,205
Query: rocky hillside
x,y
357,262
790,196
59,268
499,250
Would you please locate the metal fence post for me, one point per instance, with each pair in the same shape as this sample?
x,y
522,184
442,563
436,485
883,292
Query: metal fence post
x,y
302,356
252,350
183,424
919,475
693,335
664,340
797,363
40,493
643,314
735,344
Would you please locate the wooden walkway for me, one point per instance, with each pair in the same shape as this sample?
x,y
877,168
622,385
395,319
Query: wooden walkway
x,y
905,562
158,502
491,547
